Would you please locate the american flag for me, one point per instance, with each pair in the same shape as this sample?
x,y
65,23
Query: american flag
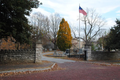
x,y
82,11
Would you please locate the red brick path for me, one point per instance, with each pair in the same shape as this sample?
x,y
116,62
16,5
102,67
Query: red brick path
x,y
73,71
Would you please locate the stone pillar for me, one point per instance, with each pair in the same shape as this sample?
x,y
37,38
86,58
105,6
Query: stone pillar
x,y
89,53
88,50
38,54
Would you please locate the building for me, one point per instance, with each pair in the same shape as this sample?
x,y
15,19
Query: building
x,y
76,43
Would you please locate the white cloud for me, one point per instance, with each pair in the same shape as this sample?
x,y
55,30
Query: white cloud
x,y
41,11
103,6
69,8
118,12
110,23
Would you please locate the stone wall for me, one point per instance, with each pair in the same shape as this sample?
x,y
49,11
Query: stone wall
x,y
13,56
102,55
26,56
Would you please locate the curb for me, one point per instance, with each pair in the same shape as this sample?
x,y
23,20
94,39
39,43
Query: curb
x,y
102,63
28,71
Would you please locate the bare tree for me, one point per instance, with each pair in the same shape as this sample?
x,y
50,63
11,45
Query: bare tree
x,y
36,22
47,26
41,22
74,31
54,26
93,24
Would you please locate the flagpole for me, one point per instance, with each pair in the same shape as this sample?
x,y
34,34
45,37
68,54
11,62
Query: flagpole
x,y
79,33
84,13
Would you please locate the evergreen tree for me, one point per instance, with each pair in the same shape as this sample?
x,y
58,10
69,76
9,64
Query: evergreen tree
x,y
13,21
64,36
113,39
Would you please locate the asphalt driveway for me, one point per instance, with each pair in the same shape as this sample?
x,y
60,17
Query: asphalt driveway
x,y
56,60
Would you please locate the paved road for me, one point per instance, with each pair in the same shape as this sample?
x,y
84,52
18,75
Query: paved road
x,y
74,71
55,59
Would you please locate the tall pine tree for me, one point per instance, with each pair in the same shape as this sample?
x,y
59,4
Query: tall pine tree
x,y
64,36
13,21
113,39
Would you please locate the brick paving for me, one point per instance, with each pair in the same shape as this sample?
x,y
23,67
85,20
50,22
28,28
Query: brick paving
x,y
73,71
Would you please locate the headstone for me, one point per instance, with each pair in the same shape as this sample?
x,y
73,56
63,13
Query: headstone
x,y
50,49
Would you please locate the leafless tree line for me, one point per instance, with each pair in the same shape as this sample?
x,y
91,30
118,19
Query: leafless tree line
x,y
45,27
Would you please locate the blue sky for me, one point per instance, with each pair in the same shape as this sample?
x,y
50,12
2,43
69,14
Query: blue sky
x,y
48,9
68,9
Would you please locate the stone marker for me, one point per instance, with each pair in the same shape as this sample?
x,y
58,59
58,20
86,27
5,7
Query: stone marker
x,y
38,55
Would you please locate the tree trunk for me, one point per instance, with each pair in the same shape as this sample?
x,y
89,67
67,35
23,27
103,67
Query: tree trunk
x,y
55,52
108,49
